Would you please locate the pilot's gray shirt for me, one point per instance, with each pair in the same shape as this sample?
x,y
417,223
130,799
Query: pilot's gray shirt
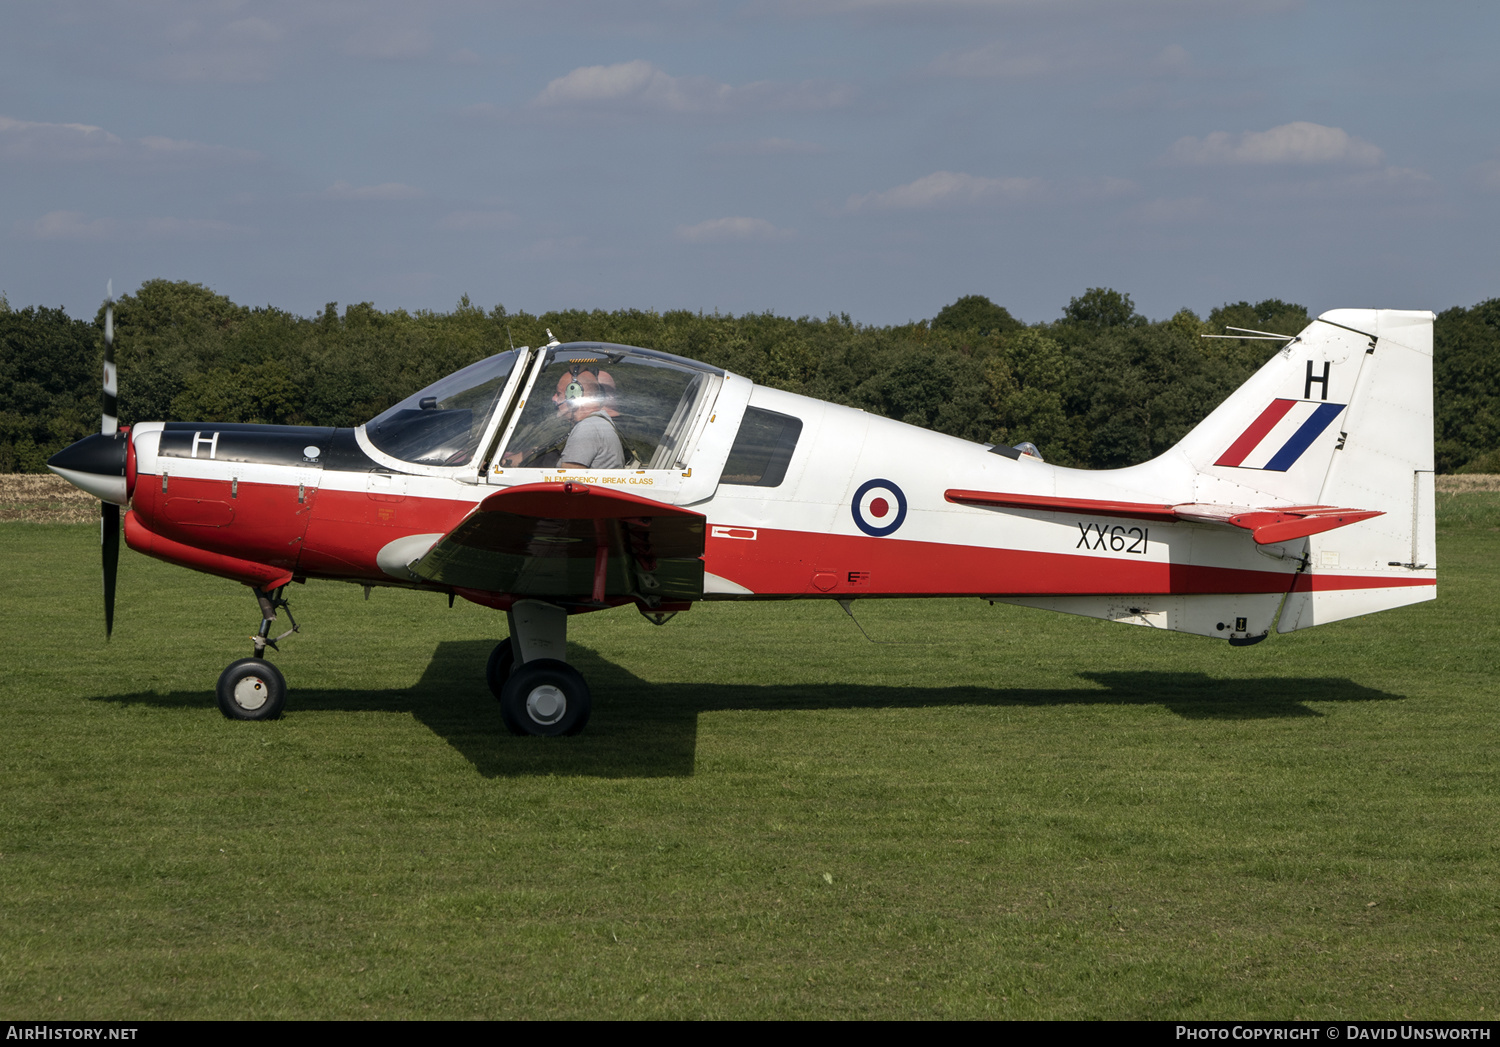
x,y
594,444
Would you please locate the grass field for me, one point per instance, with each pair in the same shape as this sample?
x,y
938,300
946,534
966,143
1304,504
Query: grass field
x,y
1010,814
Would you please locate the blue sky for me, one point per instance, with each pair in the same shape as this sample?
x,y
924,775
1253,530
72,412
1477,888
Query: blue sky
x,y
874,157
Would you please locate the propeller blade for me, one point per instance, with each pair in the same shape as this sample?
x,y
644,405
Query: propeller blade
x,y
109,517
111,420
109,541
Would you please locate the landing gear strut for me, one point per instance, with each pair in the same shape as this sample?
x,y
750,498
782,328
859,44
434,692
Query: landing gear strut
x,y
252,688
269,601
539,692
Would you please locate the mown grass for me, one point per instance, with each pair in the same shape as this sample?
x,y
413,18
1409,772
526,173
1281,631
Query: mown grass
x,y
1007,814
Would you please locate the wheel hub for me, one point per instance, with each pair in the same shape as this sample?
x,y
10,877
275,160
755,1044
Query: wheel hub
x,y
251,693
546,704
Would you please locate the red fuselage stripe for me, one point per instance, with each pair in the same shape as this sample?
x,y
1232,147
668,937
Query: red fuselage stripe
x,y
790,563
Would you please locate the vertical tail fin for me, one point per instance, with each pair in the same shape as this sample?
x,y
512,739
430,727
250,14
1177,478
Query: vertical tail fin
x,y
1342,416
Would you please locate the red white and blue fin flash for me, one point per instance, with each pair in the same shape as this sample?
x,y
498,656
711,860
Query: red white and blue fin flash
x,y
1276,439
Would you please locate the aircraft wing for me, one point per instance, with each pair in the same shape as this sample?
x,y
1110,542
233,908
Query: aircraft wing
x,y
572,540
1266,525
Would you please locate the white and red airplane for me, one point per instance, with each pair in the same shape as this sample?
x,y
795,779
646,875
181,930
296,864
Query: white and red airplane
x,y
1304,498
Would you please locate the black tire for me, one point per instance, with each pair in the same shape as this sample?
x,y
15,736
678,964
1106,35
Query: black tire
x,y
251,689
545,697
501,664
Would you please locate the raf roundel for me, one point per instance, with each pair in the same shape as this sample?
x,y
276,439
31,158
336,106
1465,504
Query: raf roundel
x,y
879,508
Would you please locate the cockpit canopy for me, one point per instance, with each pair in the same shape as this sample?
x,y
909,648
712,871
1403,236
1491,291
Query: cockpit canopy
x,y
649,400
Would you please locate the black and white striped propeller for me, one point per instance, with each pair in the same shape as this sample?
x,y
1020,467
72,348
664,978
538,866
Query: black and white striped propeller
x,y
96,464
109,512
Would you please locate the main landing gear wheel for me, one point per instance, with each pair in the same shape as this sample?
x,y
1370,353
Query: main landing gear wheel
x,y
545,697
501,664
251,689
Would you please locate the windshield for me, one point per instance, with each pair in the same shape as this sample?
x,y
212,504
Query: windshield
x,y
608,408
442,424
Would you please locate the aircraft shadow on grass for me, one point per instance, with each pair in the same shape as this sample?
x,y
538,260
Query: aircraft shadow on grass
x,y
646,730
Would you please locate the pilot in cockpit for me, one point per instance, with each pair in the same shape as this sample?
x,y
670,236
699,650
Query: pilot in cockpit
x,y
584,400
578,433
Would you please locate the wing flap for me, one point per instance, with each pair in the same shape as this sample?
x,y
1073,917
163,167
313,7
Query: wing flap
x,y
572,541
1266,525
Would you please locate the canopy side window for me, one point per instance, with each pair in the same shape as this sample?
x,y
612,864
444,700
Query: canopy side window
x,y
670,452
762,449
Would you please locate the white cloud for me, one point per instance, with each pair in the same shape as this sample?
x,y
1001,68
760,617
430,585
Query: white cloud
x,y
946,189
1295,143
643,87
26,139
724,230
477,221
72,225
1489,175
39,142
384,191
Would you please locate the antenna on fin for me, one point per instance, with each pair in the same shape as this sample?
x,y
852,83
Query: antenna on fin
x,y
1253,336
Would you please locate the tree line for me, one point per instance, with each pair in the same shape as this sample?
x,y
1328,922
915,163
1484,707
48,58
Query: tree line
x,y
1099,387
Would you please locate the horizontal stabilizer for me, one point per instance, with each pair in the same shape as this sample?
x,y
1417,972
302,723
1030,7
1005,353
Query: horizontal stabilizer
x,y
1266,525
572,541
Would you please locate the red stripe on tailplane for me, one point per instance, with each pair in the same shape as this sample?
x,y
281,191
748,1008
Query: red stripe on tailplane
x,y
1270,525
1257,431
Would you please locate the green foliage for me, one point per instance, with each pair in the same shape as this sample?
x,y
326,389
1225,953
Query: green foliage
x,y
1028,384
50,377
1466,364
1099,309
975,312
1101,387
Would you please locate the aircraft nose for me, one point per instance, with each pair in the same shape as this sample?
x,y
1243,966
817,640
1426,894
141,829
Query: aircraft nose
x,y
95,464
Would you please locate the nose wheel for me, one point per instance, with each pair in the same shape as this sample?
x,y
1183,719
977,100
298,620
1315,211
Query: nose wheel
x,y
252,688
